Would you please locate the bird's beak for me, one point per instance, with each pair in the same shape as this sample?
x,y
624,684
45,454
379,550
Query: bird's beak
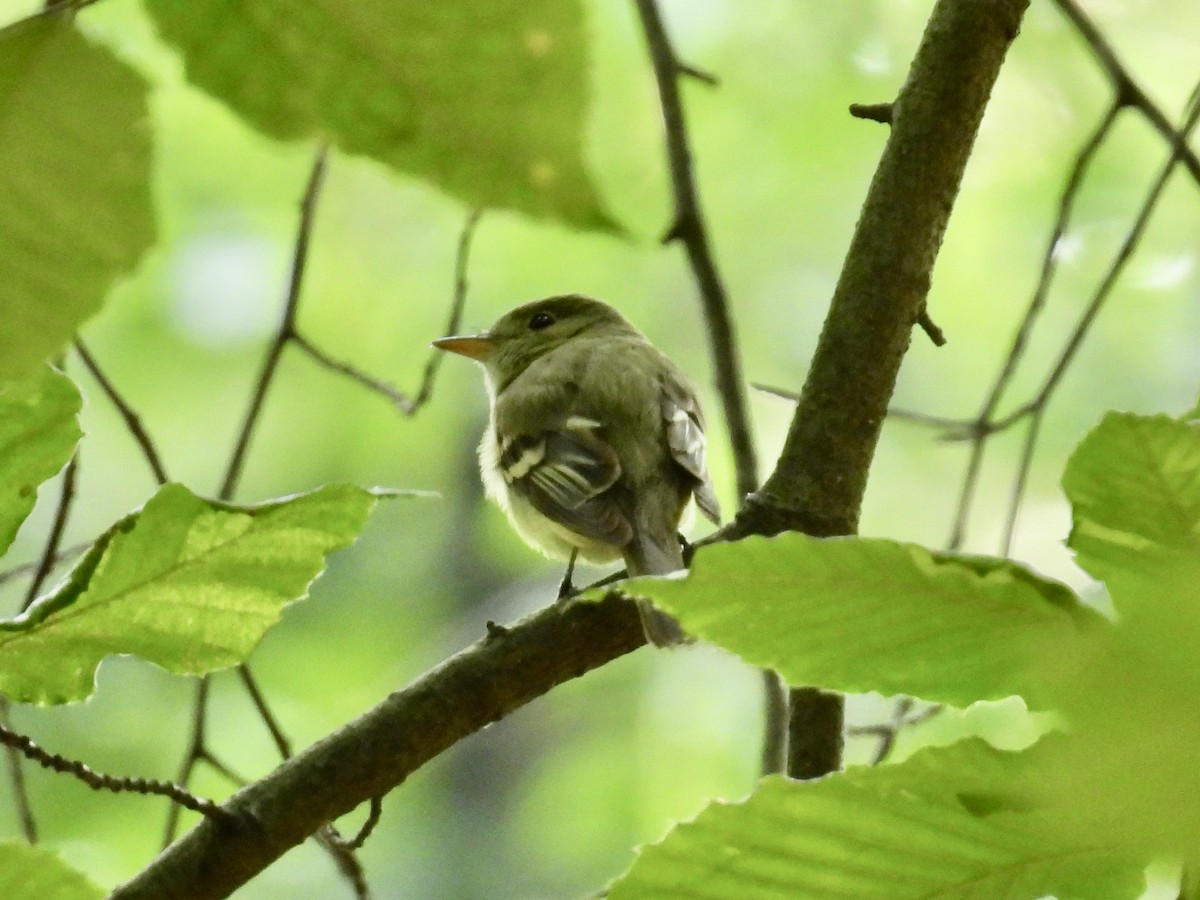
x,y
473,346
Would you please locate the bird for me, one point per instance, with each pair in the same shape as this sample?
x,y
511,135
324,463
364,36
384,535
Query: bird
x,y
595,443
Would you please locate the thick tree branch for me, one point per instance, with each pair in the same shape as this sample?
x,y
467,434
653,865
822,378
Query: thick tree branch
x,y
378,751
818,484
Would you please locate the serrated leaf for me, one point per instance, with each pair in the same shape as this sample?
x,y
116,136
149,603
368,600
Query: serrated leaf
x,y
486,100
1134,483
74,184
891,832
32,873
189,584
38,433
860,615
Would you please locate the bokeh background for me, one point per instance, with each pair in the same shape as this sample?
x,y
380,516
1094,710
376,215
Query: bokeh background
x,y
550,802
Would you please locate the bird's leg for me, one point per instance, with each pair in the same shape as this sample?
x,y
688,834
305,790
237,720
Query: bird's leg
x,y
687,548
566,588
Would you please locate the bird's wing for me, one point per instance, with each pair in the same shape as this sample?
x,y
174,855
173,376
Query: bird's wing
x,y
565,473
685,436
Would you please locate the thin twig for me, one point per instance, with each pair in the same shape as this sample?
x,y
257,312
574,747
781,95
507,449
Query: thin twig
x,y
374,813
396,396
194,754
773,760
16,776
61,514
343,856
132,421
1019,483
1128,92
407,405
1037,406
28,568
873,112
287,326
282,744
889,732
99,781
688,228
894,412
981,427
931,329
462,258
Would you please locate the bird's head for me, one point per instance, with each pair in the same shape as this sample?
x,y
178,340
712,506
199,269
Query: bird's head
x,y
525,334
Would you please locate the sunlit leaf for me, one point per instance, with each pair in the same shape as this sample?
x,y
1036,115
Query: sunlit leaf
x,y
33,873
38,431
485,99
186,583
872,615
74,184
1134,483
1134,713
913,830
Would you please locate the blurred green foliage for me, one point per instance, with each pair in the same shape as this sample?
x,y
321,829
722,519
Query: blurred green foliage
x,y
549,802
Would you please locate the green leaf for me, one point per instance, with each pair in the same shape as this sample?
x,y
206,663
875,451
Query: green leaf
x,y
74,184
1134,483
186,583
38,433
32,873
1133,707
891,832
859,615
486,99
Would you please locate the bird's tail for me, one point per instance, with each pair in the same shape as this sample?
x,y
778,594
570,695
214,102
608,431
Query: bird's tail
x,y
646,556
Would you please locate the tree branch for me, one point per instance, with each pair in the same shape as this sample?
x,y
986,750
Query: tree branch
x,y
1128,91
818,484
378,751
688,228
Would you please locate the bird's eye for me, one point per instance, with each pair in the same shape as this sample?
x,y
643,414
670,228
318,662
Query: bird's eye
x,y
541,320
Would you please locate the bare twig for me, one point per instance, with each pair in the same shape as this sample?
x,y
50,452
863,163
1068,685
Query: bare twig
x,y
374,813
462,259
775,721
132,421
931,329
99,781
979,428
888,732
282,744
287,325
396,396
30,567
984,424
1128,92
1037,407
689,229
343,856
873,112
16,777
61,514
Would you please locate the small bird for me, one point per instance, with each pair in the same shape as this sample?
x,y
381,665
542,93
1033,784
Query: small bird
x,y
595,443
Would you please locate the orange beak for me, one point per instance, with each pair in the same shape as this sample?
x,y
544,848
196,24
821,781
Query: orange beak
x,y
473,346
